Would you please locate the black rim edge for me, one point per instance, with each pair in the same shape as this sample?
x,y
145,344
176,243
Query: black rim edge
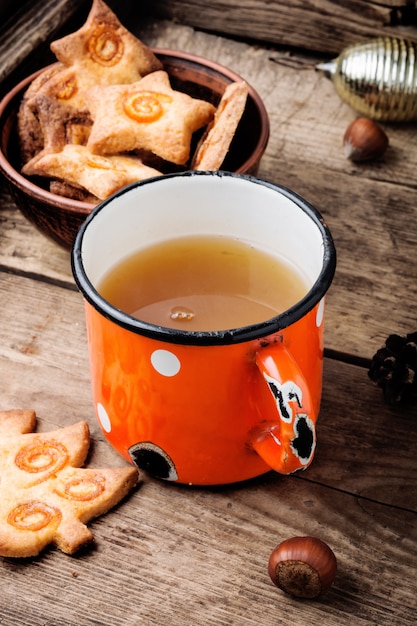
x,y
220,337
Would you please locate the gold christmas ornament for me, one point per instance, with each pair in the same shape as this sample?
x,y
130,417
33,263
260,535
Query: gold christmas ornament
x,y
377,78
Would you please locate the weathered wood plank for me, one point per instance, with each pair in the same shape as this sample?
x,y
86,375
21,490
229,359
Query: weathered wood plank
x,y
307,117
208,565
324,26
29,27
364,446
24,249
321,25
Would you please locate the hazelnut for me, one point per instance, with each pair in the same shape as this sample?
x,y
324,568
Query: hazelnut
x,y
303,566
364,140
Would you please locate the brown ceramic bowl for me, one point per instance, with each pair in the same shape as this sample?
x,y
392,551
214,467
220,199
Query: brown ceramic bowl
x,y
58,217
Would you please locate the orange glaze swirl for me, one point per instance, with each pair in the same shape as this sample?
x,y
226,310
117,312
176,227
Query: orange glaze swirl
x,y
46,455
33,515
145,106
84,489
105,46
66,89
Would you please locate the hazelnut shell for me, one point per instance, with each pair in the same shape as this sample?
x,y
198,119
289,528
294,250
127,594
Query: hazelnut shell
x,y
303,566
364,140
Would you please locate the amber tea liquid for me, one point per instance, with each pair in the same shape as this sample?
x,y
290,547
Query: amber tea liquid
x,y
203,283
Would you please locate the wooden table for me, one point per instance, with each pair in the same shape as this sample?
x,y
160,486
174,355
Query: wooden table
x,y
172,555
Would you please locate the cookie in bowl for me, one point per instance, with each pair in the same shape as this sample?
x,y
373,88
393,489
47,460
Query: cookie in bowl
x,y
112,111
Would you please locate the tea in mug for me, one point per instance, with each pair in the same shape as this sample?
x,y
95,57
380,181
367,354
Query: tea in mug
x,y
203,283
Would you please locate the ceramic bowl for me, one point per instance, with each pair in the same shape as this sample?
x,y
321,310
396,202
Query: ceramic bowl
x,y
58,217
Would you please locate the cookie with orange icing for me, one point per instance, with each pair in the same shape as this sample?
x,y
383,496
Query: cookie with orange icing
x,y
148,115
52,115
103,51
109,92
99,175
47,498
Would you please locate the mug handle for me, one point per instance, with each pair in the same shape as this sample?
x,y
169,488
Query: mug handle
x,y
286,443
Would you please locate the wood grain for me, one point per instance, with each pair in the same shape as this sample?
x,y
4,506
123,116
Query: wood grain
x,y
325,26
29,27
173,555
170,554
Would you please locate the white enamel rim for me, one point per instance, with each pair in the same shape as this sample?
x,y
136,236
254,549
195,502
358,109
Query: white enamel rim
x,y
199,203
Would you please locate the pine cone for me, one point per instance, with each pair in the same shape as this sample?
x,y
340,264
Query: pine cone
x,y
394,369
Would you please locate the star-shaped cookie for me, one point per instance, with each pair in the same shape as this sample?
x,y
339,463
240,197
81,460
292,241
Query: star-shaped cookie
x,y
54,113
100,175
103,51
147,114
45,496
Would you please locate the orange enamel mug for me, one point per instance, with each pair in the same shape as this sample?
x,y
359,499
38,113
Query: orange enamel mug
x,y
211,407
